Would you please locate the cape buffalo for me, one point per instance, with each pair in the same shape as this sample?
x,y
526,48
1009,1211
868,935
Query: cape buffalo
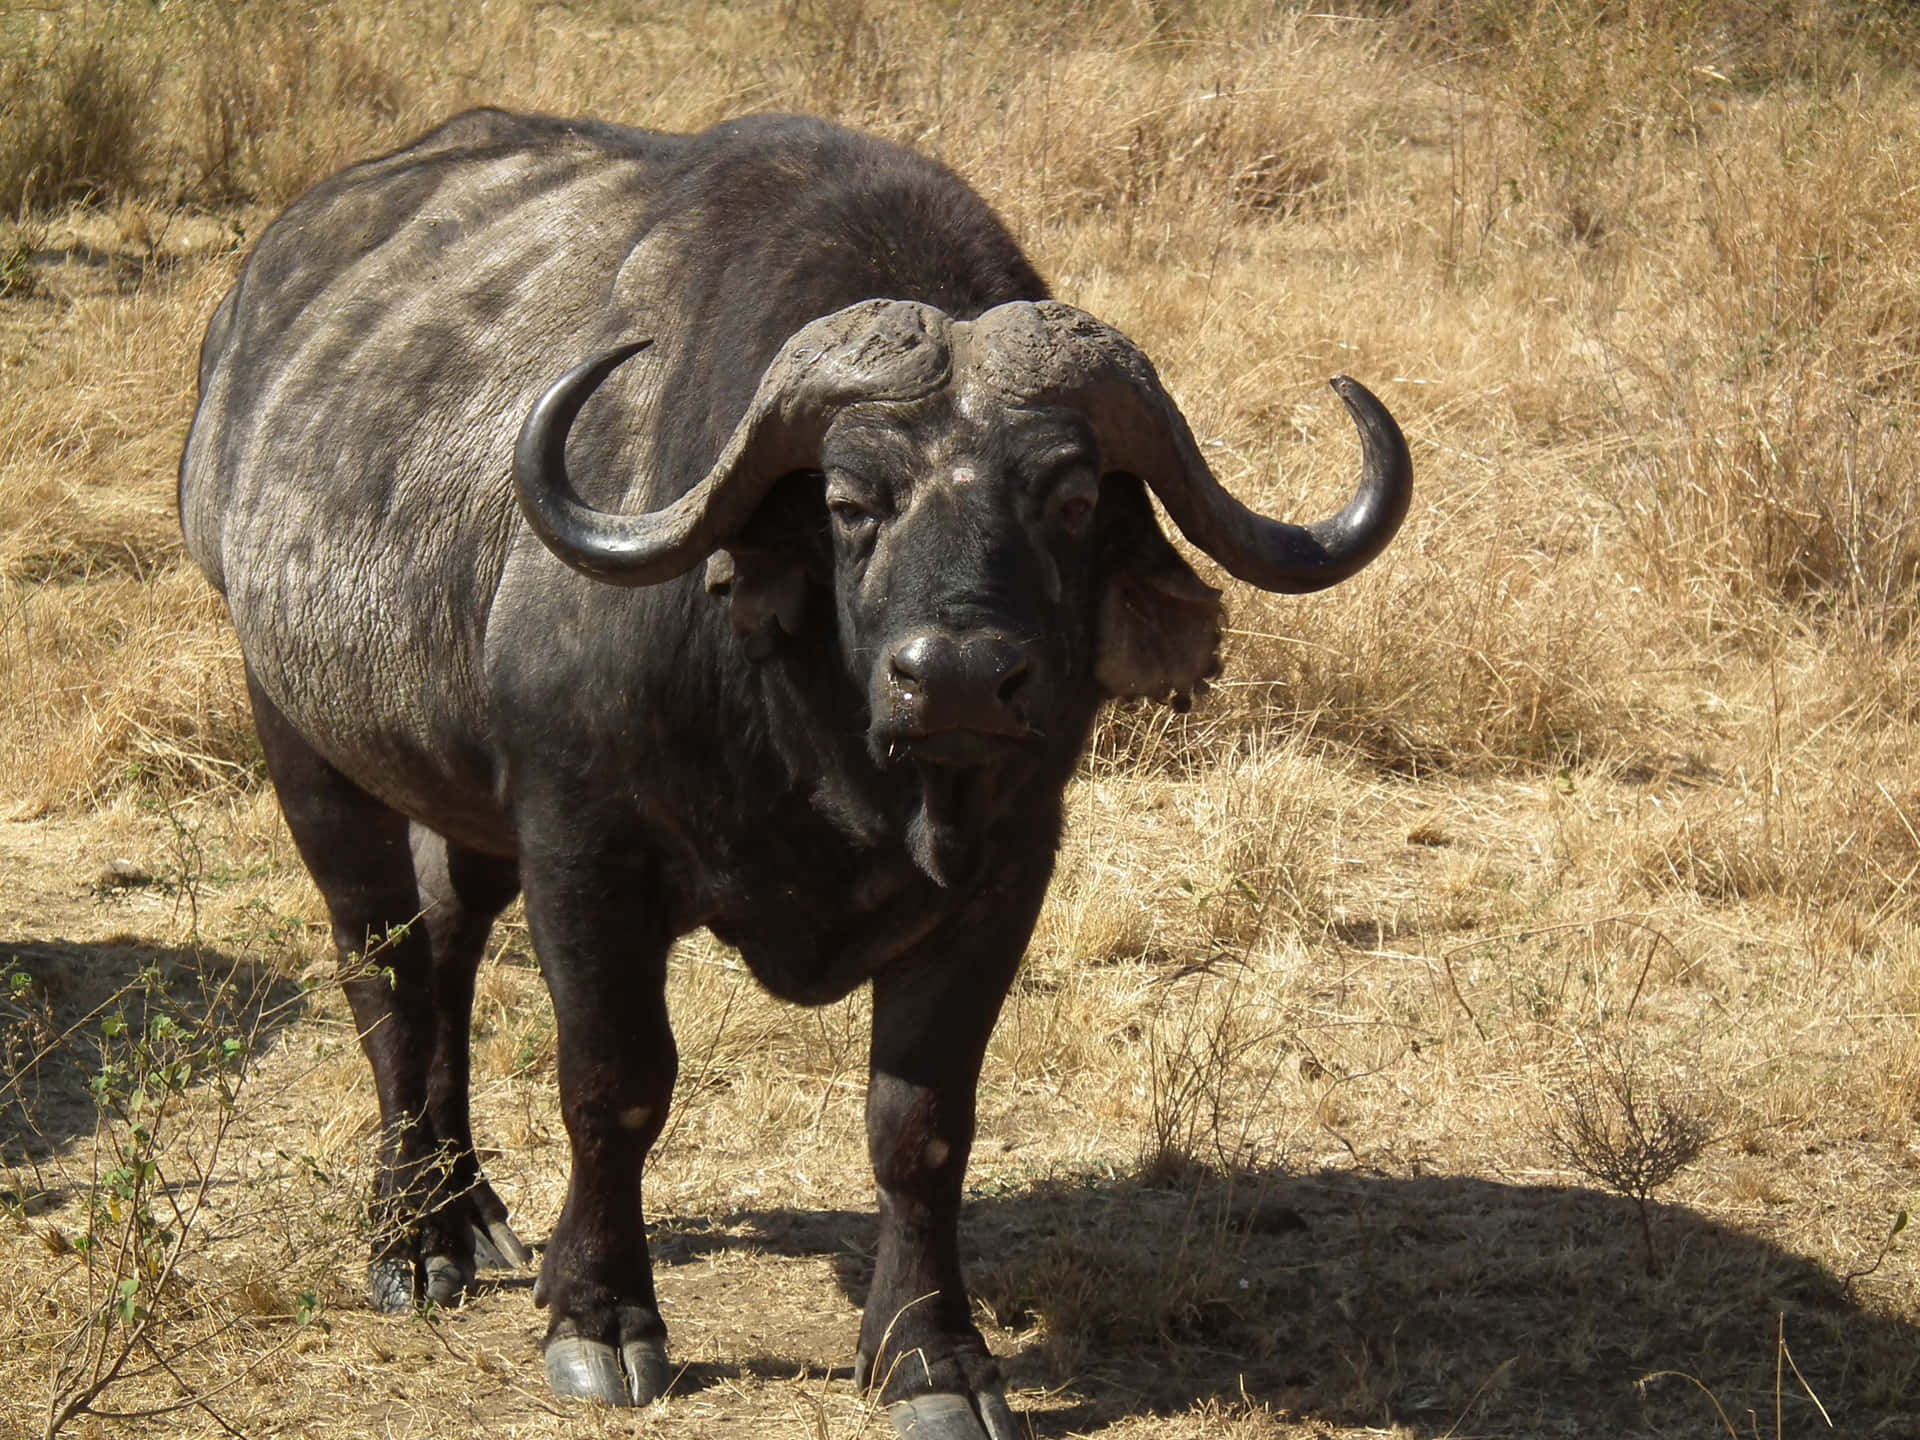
x,y
679,530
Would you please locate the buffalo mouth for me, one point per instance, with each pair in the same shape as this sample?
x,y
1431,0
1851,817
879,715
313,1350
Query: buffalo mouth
x,y
962,749
961,780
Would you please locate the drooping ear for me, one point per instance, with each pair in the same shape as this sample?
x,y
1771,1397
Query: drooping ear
x,y
1158,632
766,593
765,570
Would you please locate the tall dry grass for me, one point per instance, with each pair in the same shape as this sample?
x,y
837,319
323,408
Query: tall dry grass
x,y
1611,758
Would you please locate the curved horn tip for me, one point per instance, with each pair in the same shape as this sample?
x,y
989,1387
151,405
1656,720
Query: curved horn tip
x,y
1372,416
611,360
539,456
1350,390
562,400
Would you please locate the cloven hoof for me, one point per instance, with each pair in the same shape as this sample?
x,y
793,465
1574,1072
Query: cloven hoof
x,y
952,1417
635,1374
447,1279
390,1286
394,1286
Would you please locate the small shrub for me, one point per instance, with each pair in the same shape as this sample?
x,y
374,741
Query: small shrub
x,y
1613,1127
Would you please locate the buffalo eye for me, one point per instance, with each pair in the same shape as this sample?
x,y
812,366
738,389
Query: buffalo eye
x,y
1071,506
853,518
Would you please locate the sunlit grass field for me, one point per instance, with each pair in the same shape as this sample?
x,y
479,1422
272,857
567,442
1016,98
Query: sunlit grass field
x,y
1493,1011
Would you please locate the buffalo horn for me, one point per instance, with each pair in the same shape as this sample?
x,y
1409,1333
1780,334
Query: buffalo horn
x,y
1049,353
875,350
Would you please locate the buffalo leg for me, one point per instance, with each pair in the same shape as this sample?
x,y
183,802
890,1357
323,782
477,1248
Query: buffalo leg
x,y
461,892
359,853
931,1021
603,945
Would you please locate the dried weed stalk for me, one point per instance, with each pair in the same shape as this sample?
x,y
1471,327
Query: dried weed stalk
x,y
1783,1361
1209,1071
1615,1127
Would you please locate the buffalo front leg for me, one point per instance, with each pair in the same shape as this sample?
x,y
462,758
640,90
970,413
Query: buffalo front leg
x,y
919,1347
603,950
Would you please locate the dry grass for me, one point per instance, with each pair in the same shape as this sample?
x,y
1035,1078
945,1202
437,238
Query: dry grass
x,y
1610,762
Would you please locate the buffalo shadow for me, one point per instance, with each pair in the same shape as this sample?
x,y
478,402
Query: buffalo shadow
x,y
55,997
1445,1305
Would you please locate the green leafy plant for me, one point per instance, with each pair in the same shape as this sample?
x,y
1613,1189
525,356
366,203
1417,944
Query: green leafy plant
x,y
151,1178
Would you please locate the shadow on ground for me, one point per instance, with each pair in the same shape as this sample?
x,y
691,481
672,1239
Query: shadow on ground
x,y
123,269
1449,1306
56,996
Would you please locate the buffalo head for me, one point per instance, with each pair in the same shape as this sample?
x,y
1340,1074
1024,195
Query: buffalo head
x,y
995,562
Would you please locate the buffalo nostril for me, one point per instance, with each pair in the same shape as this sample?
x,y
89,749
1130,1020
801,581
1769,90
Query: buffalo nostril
x,y
914,662
941,681
1013,677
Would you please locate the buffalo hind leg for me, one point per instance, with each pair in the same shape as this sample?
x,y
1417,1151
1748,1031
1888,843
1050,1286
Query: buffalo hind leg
x,y
360,855
461,893
598,930
932,1017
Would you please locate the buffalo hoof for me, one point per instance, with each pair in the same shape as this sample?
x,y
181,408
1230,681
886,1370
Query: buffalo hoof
x,y
394,1285
447,1279
390,1286
496,1247
954,1417
593,1370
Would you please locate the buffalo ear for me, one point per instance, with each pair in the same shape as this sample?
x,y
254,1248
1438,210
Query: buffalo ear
x,y
1158,627
764,569
766,593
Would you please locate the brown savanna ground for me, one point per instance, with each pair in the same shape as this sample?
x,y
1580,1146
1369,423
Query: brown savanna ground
x,y
1358,1079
